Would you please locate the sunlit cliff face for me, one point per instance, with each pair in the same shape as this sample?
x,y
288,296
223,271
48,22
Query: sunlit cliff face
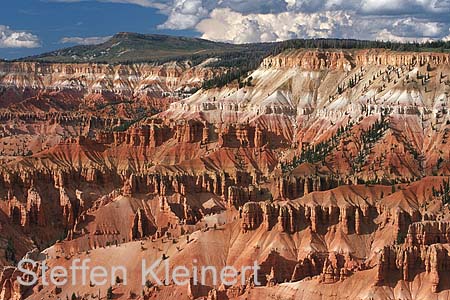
x,y
329,168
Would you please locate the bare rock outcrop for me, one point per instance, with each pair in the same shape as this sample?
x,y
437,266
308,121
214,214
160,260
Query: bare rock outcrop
x,y
294,217
428,232
142,226
407,261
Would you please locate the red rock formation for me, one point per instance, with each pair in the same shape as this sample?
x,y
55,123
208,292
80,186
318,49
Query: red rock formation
x,y
428,232
294,217
408,261
299,162
142,226
345,60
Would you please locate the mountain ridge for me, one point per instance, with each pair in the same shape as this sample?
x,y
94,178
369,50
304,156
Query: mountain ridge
x,y
135,47
130,47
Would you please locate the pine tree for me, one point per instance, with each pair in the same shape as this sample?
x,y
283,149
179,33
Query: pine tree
x,y
10,251
109,293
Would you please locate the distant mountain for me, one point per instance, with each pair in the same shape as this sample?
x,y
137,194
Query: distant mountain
x,y
126,47
135,47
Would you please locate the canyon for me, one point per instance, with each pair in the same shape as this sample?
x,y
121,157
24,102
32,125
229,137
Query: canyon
x,y
330,168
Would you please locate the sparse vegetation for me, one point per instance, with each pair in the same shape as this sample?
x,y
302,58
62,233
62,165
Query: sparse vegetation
x,y
318,152
148,284
10,251
400,238
443,192
239,59
368,138
109,293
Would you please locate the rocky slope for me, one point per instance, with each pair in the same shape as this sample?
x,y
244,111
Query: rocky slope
x,y
330,168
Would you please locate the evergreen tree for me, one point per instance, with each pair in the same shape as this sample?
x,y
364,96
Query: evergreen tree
x,y
109,293
10,251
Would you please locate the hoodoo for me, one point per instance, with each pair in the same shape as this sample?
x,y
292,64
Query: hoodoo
x,y
326,167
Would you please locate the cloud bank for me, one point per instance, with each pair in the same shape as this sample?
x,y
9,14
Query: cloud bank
x,y
17,39
242,21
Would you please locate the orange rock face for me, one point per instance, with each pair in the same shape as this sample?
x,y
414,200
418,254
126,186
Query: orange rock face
x,y
331,171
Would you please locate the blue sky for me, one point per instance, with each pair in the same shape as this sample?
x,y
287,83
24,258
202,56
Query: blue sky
x,y
51,22
35,26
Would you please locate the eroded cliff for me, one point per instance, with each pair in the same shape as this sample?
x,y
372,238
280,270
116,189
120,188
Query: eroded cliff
x,y
330,168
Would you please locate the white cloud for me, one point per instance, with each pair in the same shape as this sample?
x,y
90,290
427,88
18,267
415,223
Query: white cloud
x,y
185,14
405,6
17,39
412,27
386,35
363,19
226,25
270,20
85,40
447,38
231,26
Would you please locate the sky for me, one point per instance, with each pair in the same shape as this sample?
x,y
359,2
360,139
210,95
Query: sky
x,y
29,27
